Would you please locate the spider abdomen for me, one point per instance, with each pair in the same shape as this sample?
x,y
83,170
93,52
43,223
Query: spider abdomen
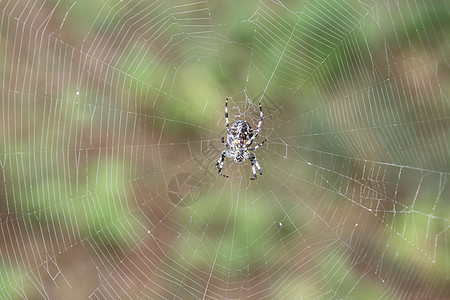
x,y
240,132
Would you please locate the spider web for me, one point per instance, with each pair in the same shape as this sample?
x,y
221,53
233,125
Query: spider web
x,y
111,118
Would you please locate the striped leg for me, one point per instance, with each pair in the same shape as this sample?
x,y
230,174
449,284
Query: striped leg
x,y
227,124
250,141
256,147
219,163
255,165
226,145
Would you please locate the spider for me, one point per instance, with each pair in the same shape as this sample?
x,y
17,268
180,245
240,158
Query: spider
x,y
239,138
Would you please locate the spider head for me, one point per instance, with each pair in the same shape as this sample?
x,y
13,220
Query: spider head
x,y
239,158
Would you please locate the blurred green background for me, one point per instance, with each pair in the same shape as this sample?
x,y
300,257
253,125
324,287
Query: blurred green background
x,y
111,119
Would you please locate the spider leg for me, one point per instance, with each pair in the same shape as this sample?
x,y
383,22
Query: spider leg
x,y
226,145
227,124
256,147
258,128
219,163
258,166
255,165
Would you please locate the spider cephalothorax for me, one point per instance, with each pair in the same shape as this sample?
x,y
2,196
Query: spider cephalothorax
x,y
239,138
